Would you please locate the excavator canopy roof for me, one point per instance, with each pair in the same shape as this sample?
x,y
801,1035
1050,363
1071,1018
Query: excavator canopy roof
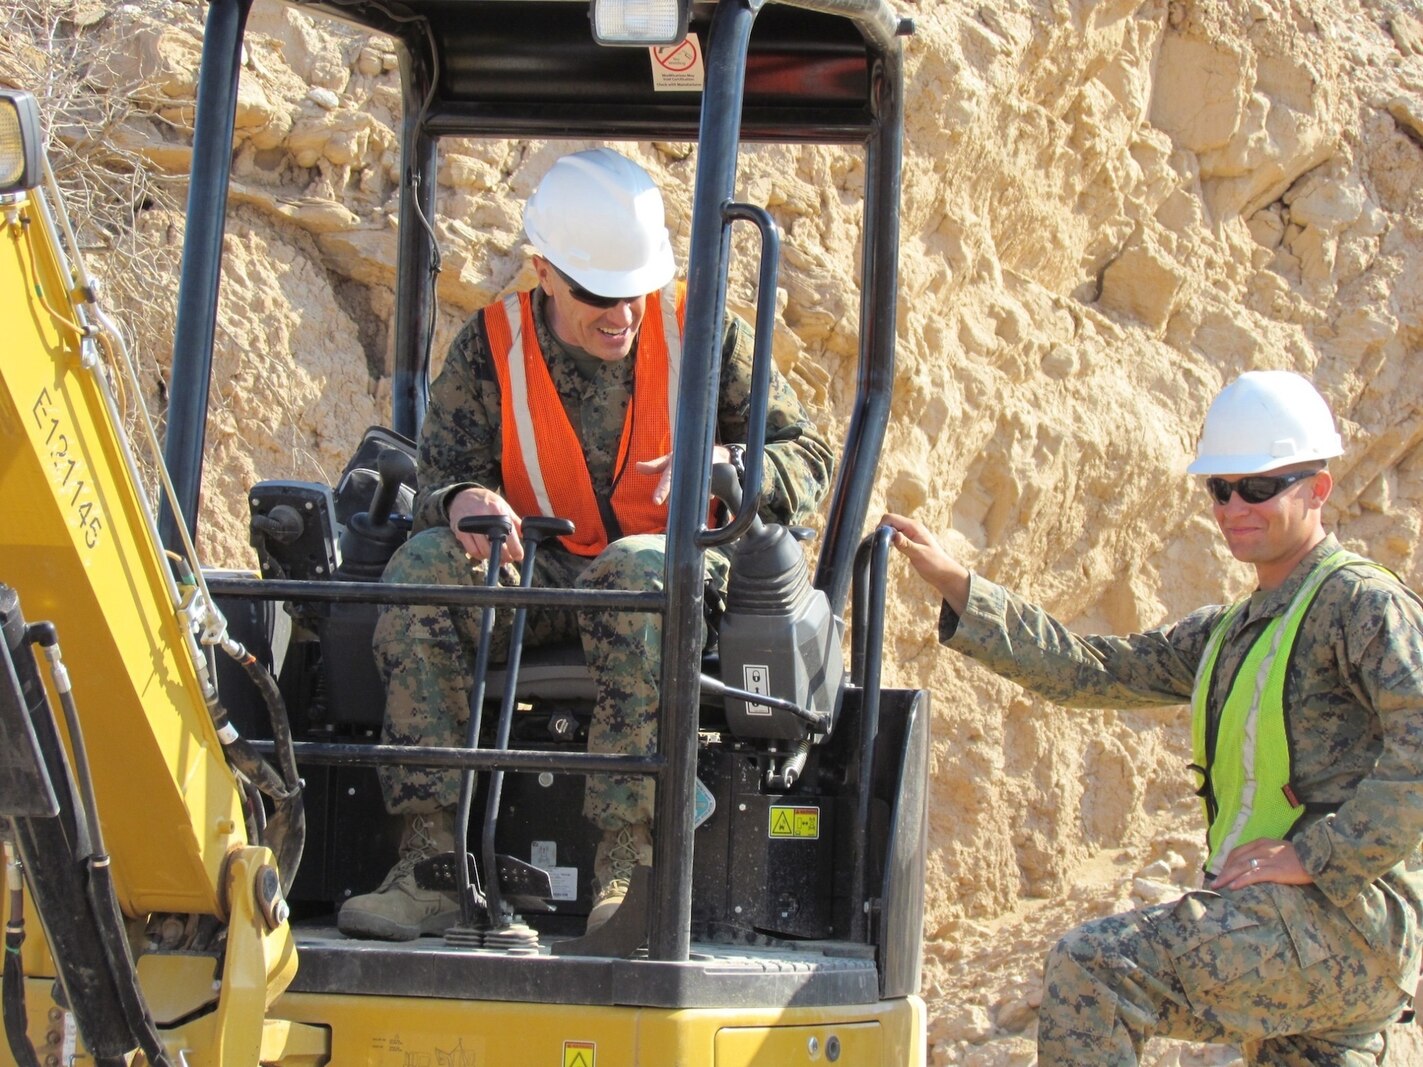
x,y
517,68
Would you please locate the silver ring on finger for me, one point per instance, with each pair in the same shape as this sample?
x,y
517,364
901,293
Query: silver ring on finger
x,y
1254,865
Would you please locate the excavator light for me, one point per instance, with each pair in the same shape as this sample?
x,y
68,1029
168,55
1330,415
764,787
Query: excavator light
x,y
19,141
640,22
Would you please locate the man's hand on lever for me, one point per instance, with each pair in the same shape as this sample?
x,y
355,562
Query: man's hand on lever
x,y
480,501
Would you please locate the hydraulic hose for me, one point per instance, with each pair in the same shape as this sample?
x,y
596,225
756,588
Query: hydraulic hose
x,y
286,827
276,709
100,887
245,758
12,1000
285,831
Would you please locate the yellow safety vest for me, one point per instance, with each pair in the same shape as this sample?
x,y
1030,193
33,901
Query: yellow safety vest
x,y
1244,756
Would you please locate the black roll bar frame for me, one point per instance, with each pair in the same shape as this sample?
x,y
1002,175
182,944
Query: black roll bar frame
x,y
719,135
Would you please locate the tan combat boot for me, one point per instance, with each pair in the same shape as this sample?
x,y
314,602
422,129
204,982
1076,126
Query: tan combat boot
x,y
399,910
618,853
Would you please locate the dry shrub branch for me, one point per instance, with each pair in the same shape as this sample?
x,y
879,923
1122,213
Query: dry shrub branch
x,y
124,211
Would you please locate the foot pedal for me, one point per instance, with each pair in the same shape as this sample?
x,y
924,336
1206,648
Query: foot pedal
x,y
522,885
439,873
625,933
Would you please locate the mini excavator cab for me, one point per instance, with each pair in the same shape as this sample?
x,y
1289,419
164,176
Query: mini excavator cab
x,y
781,919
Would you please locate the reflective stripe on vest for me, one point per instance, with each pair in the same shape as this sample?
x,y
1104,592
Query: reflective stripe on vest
x,y
544,472
1247,790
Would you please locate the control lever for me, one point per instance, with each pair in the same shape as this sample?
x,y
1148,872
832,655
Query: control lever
x,y
293,528
283,524
715,687
535,530
497,529
370,538
393,467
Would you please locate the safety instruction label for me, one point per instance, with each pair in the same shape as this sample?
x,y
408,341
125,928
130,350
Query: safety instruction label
x,y
564,880
802,823
757,679
580,1054
677,68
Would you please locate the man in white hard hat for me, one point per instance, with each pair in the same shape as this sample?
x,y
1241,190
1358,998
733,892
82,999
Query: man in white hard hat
x,y
1307,722
560,402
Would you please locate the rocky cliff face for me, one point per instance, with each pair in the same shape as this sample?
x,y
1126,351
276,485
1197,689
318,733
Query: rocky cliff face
x,y
1110,208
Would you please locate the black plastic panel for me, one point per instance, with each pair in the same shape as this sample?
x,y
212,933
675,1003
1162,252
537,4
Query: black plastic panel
x,y
808,75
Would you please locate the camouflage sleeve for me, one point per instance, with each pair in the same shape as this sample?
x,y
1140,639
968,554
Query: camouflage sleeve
x,y
1024,644
799,461
460,444
1381,824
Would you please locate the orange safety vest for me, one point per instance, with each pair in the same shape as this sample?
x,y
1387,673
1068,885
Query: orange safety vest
x,y
544,470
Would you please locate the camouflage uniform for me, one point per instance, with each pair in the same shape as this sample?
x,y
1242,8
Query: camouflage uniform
x,y
426,654
1296,974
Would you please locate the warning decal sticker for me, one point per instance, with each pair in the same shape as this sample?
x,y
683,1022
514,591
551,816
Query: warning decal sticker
x,y
797,823
677,68
580,1054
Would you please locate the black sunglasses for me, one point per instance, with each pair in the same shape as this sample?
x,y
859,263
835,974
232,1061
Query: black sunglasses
x,y
1255,489
583,296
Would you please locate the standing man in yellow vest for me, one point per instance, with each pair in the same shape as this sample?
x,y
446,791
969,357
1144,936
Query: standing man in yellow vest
x,y
1307,723
561,402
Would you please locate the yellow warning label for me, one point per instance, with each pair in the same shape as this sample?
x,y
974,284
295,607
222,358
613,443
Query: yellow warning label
x,y
580,1054
802,823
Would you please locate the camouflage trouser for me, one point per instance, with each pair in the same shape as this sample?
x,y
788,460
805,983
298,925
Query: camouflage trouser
x,y
1275,969
427,654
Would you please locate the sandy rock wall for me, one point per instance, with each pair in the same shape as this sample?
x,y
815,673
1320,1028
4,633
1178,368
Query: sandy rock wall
x,y
1109,209
1131,206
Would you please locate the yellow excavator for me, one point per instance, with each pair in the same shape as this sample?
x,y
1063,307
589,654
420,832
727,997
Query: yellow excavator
x,y
188,757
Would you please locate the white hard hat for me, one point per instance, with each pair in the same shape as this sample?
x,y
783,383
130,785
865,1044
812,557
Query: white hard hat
x,y
1263,420
597,216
